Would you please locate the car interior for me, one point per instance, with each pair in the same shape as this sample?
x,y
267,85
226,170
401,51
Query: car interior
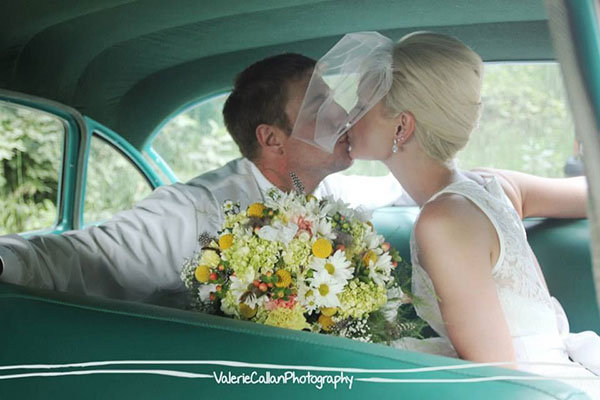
x,y
123,68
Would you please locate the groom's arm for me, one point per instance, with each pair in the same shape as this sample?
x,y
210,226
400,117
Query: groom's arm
x,y
132,256
370,192
535,196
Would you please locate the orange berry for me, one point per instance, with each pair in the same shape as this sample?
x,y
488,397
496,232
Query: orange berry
x,y
263,287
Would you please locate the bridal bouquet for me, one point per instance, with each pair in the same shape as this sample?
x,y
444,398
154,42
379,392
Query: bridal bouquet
x,y
301,263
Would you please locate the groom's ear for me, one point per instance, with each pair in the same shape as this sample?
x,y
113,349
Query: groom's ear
x,y
271,139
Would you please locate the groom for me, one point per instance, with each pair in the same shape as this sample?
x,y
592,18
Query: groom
x,y
137,254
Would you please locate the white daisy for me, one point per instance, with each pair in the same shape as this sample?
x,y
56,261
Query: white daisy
x,y
325,289
380,271
372,240
252,301
306,297
238,286
204,291
324,229
337,266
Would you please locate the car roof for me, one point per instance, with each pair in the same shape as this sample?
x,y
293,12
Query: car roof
x,y
130,64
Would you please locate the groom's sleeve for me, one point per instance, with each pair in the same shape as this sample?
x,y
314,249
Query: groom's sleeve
x,y
370,192
132,256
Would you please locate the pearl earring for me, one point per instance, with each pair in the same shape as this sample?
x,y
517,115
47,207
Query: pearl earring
x,y
395,146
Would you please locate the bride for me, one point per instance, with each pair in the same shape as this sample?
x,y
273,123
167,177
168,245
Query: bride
x,y
481,287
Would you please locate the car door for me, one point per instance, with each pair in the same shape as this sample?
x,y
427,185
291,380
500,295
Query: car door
x,y
63,171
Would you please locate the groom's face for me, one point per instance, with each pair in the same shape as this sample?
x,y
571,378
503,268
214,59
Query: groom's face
x,y
306,155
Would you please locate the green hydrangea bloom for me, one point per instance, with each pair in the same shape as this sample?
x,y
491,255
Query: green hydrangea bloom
x,y
230,304
360,298
357,230
232,220
252,255
284,317
297,253
261,315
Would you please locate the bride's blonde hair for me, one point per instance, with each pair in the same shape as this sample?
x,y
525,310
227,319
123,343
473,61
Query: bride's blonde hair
x,y
438,79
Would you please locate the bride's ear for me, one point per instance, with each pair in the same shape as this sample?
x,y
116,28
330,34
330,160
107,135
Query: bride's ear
x,y
405,126
271,139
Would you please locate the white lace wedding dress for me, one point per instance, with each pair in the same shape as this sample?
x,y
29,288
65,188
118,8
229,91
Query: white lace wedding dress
x,y
536,320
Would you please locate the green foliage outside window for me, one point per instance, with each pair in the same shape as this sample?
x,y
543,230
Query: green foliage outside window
x,y
526,125
31,151
113,184
196,141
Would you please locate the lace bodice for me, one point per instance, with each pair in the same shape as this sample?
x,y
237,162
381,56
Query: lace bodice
x,y
521,291
537,323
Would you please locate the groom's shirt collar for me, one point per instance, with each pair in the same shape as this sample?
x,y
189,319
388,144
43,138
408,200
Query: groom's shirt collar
x,y
263,183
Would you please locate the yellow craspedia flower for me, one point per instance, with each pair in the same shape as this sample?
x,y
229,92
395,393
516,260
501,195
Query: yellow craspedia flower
x,y
202,273
328,311
285,278
256,210
225,241
326,322
369,257
322,248
246,311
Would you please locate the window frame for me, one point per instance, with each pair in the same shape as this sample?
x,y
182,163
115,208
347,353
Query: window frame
x,y
148,145
73,126
123,148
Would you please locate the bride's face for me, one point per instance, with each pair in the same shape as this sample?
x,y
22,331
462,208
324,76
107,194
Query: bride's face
x,y
372,137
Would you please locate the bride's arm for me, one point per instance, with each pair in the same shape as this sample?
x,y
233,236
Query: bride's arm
x,y
455,242
534,196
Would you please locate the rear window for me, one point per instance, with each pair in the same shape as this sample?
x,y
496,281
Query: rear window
x,y
526,125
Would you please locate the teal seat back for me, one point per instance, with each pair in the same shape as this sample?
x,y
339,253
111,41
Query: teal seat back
x,y
40,327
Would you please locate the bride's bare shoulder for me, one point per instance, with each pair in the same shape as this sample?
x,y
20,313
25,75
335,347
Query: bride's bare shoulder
x,y
451,217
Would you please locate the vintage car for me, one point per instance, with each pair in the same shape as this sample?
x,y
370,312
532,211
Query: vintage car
x,y
110,74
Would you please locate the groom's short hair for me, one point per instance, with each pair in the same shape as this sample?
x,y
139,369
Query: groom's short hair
x,y
259,96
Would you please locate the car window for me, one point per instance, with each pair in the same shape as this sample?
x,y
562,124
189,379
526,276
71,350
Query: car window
x,y
525,125
31,154
113,182
196,140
